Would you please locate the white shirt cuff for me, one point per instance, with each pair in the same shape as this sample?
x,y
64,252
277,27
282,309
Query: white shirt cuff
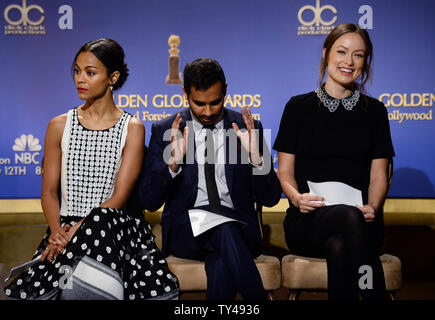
x,y
256,165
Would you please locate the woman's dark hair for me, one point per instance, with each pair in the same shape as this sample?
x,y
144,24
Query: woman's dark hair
x,y
336,33
111,54
202,73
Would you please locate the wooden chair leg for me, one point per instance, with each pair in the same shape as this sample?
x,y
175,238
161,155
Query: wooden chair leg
x,y
293,294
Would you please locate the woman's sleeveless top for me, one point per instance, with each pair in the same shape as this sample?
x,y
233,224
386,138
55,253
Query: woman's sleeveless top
x,y
90,163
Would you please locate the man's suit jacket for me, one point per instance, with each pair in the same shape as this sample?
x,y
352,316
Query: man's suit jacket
x,y
157,187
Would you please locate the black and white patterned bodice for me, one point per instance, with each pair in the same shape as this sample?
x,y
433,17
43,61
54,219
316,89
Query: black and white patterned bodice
x,y
90,163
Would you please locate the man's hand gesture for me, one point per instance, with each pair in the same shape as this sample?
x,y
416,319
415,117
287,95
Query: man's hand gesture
x,y
249,138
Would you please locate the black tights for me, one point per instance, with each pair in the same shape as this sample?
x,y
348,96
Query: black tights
x,y
342,236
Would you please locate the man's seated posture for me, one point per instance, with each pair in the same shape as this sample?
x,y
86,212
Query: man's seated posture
x,y
211,158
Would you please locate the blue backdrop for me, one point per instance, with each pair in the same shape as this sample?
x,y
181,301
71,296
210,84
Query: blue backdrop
x,y
269,49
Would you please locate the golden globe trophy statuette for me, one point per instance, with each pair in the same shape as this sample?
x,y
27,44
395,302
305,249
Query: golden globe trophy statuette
x,y
174,77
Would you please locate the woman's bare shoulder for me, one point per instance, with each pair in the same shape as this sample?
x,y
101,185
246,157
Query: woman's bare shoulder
x,y
136,125
135,122
58,123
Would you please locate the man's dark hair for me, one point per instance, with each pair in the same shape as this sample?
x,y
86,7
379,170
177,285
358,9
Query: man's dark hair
x,y
202,73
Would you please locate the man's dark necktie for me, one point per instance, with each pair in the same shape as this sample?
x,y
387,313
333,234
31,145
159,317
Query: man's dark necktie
x,y
209,171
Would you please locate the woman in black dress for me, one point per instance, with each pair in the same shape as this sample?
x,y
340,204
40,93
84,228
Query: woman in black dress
x,y
337,133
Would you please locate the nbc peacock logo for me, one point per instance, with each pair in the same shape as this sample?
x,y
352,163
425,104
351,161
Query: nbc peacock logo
x,y
26,149
25,141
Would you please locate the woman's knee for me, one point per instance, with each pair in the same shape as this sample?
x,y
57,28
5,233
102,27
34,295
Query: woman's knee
x,y
352,217
335,247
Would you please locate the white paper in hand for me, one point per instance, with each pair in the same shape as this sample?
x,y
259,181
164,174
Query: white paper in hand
x,y
336,193
203,220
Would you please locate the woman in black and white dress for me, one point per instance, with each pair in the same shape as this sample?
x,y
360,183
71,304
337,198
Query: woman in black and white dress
x,y
94,248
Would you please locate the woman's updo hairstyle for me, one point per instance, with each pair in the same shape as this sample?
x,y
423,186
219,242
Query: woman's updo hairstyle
x,y
111,54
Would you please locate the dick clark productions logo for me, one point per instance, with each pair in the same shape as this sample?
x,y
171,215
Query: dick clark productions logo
x,y
321,26
27,20
21,19
317,10
24,12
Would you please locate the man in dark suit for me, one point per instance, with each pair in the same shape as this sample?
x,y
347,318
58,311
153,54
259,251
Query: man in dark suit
x,y
208,157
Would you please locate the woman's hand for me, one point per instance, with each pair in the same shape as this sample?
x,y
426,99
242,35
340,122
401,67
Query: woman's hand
x,y
74,228
307,202
368,211
57,241
286,173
